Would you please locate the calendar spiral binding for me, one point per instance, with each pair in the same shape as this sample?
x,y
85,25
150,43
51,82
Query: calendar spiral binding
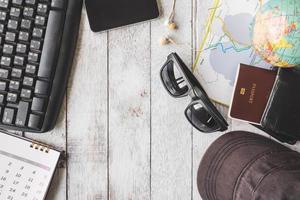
x,y
46,148
39,146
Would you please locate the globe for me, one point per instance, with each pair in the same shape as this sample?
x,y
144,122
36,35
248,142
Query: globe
x,y
276,32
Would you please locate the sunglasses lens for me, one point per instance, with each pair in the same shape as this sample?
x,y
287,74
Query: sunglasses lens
x,y
173,80
200,118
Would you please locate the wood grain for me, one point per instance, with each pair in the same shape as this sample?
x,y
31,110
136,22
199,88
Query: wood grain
x,y
171,133
87,118
129,112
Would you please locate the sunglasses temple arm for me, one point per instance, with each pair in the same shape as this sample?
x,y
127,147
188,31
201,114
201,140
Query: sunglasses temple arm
x,y
190,76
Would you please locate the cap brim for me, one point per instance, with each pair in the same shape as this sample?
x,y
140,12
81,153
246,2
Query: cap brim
x,y
226,159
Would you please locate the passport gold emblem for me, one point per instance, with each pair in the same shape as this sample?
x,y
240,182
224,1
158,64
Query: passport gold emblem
x,y
243,91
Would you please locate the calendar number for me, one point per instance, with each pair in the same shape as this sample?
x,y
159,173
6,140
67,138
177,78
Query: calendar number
x,y
10,197
21,180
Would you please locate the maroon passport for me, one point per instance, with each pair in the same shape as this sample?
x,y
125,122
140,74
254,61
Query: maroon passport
x,y
253,87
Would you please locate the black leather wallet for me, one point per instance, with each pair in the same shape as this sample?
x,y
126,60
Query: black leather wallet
x,y
282,115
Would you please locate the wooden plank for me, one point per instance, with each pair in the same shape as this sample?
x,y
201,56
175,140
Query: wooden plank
x,y
87,117
129,112
56,138
171,155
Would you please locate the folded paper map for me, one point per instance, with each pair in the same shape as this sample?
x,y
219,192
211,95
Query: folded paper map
x,y
226,42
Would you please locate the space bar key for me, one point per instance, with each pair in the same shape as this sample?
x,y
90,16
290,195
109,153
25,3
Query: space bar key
x,y
51,44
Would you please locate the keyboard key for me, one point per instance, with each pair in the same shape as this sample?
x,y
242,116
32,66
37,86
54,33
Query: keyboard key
x,y
8,49
1,28
8,116
25,93
40,20
2,98
21,48
15,12
30,69
14,85
4,73
16,73
10,36
17,2
12,24
26,24
28,81
38,104
23,36
33,57
5,61
3,15
28,12
30,2
12,97
4,3
37,32
3,86
34,121
51,43
41,88
30,30
42,9
35,45
58,4
22,113
19,60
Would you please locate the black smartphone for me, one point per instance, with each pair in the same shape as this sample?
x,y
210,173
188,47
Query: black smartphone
x,y
108,14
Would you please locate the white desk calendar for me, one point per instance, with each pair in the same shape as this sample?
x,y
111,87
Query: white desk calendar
x,y
26,168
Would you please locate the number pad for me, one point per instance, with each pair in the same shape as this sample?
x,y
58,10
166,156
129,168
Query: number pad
x,y
27,28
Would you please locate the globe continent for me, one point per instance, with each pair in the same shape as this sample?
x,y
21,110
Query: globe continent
x,y
276,32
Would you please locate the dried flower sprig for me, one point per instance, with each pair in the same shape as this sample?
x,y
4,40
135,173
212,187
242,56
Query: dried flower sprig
x,y
170,21
167,40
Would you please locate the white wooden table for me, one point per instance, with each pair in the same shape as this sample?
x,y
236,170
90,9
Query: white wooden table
x,y
126,138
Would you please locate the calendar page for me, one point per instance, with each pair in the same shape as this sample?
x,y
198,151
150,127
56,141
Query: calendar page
x,y
26,169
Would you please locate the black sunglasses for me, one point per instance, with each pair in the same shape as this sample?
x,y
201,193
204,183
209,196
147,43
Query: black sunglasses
x,y
179,81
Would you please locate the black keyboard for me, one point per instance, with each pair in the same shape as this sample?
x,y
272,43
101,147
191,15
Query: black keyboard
x,y
37,44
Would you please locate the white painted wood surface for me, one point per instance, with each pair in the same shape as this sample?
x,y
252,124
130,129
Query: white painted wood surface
x,y
125,137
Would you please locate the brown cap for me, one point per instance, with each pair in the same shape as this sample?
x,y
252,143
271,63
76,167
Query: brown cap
x,y
247,166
